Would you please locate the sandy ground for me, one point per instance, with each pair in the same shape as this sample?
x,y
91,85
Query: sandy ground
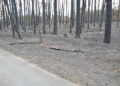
x,y
97,63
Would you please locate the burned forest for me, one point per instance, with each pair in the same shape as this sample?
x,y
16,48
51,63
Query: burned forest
x,y
77,40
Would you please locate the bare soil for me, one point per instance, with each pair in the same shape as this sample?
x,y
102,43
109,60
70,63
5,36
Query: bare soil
x,y
96,63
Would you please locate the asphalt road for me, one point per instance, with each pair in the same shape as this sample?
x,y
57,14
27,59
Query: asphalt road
x,y
15,71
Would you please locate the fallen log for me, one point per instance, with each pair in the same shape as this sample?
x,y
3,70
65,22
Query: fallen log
x,y
60,49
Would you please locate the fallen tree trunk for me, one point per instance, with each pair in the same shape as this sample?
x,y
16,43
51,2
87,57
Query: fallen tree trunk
x,y
44,45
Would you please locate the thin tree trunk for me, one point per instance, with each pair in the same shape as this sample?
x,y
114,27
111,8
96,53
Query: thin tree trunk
x,y
66,13
88,26
102,14
55,17
49,14
107,37
44,17
63,19
83,13
78,27
98,13
3,13
118,18
72,16
20,12
94,12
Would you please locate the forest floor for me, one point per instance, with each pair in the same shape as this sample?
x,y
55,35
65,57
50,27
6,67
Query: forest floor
x,y
96,63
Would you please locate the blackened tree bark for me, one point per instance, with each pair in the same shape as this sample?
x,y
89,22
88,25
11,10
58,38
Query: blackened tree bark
x,y
72,16
24,24
13,17
55,17
16,19
33,17
49,13
94,12
63,19
44,17
60,19
78,27
107,37
91,11
7,19
88,26
102,14
66,13
20,12
118,20
3,14
83,13
98,13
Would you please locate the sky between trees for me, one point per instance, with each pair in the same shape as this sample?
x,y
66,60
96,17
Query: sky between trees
x,y
68,7
115,4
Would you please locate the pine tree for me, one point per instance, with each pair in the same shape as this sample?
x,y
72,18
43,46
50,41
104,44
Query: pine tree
x,y
72,16
55,17
107,37
44,17
78,27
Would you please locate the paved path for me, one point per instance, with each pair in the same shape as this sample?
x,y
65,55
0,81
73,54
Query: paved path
x,y
14,71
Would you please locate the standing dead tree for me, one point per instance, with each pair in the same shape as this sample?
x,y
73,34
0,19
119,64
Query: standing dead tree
x,y
94,12
47,12
33,17
13,17
98,11
63,15
44,17
83,14
118,18
91,18
102,14
55,17
3,14
88,26
78,26
107,37
72,16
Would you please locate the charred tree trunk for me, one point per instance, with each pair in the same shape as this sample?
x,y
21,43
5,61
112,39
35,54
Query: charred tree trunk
x,y
33,18
91,12
3,14
78,27
107,37
49,14
94,12
102,14
83,13
44,17
20,13
55,17
72,16
66,13
88,26
118,20
24,24
63,19
98,13
13,17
